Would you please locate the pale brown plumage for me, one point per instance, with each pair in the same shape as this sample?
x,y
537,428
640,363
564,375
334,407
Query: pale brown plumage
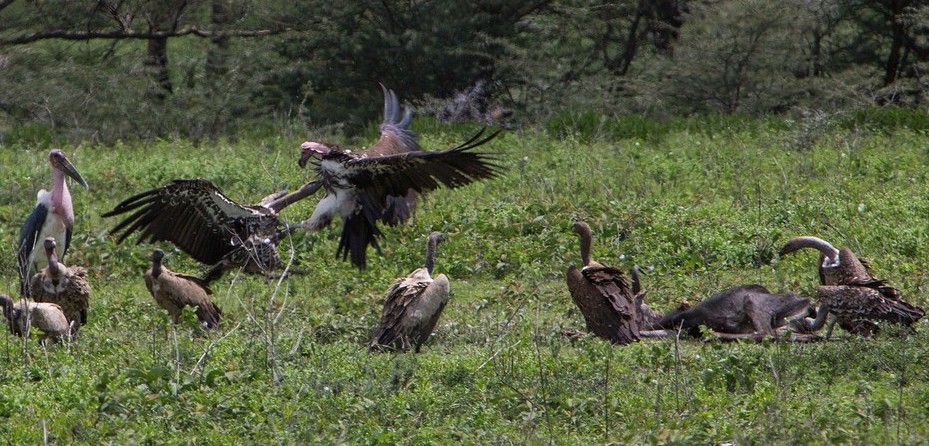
x,y
851,293
413,306
47,317
604,298
173,291
65,286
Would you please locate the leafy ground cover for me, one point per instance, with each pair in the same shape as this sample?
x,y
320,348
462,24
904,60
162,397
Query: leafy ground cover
x,y
703,207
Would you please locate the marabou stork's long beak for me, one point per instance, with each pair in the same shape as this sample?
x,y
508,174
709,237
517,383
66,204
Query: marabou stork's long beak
x,y
61,162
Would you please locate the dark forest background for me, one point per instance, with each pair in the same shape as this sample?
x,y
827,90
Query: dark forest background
x,y
127,69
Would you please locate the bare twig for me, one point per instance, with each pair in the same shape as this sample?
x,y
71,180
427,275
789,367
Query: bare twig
x,y
64,34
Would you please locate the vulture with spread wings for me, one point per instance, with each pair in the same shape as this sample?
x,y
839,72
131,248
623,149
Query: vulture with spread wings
x,y
196,217
380,184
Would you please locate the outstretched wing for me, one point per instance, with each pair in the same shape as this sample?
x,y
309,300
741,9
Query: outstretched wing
x,y
396,136
395,175
192,214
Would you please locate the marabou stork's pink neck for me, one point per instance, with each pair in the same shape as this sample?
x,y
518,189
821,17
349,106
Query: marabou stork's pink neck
x,y
61,197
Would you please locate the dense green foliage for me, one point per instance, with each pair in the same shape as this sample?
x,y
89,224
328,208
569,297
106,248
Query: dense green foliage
x,y
107,70
705,202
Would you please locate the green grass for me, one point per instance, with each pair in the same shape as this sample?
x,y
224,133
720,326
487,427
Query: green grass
x,y
706,208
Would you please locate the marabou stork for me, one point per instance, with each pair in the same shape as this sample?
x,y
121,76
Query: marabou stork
x,y
52,216
413,305
196,217
381,182
602,295
851,293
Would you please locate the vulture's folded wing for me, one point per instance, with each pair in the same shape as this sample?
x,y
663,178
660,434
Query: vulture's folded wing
x,y
192,214
400,296
612,285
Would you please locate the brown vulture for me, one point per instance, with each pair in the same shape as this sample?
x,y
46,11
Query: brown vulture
x,y
380,183
173,292
65,286
196,217
601,293
47,317
413,306
851,293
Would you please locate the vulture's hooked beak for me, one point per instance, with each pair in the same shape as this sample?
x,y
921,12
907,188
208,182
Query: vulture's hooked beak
x,y
61,162
310,149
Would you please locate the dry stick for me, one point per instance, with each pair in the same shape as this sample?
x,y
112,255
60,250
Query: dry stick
x,y
606,396
677,372
209,348
542,380
491,358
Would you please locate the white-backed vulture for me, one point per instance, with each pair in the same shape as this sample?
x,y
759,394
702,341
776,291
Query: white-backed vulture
x,y
47,317
601,293
173,292
851,293
379,184
65,286
413,305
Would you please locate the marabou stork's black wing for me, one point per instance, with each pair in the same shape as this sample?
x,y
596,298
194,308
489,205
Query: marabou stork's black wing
x,y
396,136
28,235
192,214
395,175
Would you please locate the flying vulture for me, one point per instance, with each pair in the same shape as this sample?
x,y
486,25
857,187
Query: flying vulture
x,y
380,183
196,217
52,216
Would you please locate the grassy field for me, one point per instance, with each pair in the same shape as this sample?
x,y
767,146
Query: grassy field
x,y
706,204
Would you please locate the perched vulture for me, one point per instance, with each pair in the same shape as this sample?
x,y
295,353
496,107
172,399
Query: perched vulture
x,y
47,317
196,217
173,291
380,184
52,216
851,293
601,293
413,306
65,286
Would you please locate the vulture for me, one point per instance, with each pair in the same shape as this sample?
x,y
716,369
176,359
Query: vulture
x,y
851,293
601,293
173,291
198,218
380,183
413,306
47,317
64,286
52,216
646,317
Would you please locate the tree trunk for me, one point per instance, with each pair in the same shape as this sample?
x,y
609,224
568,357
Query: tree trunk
x,y
157,65
218,53
892,67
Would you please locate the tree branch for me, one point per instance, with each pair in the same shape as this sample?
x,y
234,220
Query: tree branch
x,y
122,34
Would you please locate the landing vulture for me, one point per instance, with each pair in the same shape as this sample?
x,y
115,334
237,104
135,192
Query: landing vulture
x,y
379,184
196,217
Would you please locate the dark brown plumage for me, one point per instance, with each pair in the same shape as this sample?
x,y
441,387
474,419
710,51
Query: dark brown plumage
x,y
851,293
601,293
413,306
199,219
65,286
380,184
173,291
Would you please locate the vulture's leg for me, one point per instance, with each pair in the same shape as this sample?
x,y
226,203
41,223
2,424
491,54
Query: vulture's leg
x,y
830,327
323,214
